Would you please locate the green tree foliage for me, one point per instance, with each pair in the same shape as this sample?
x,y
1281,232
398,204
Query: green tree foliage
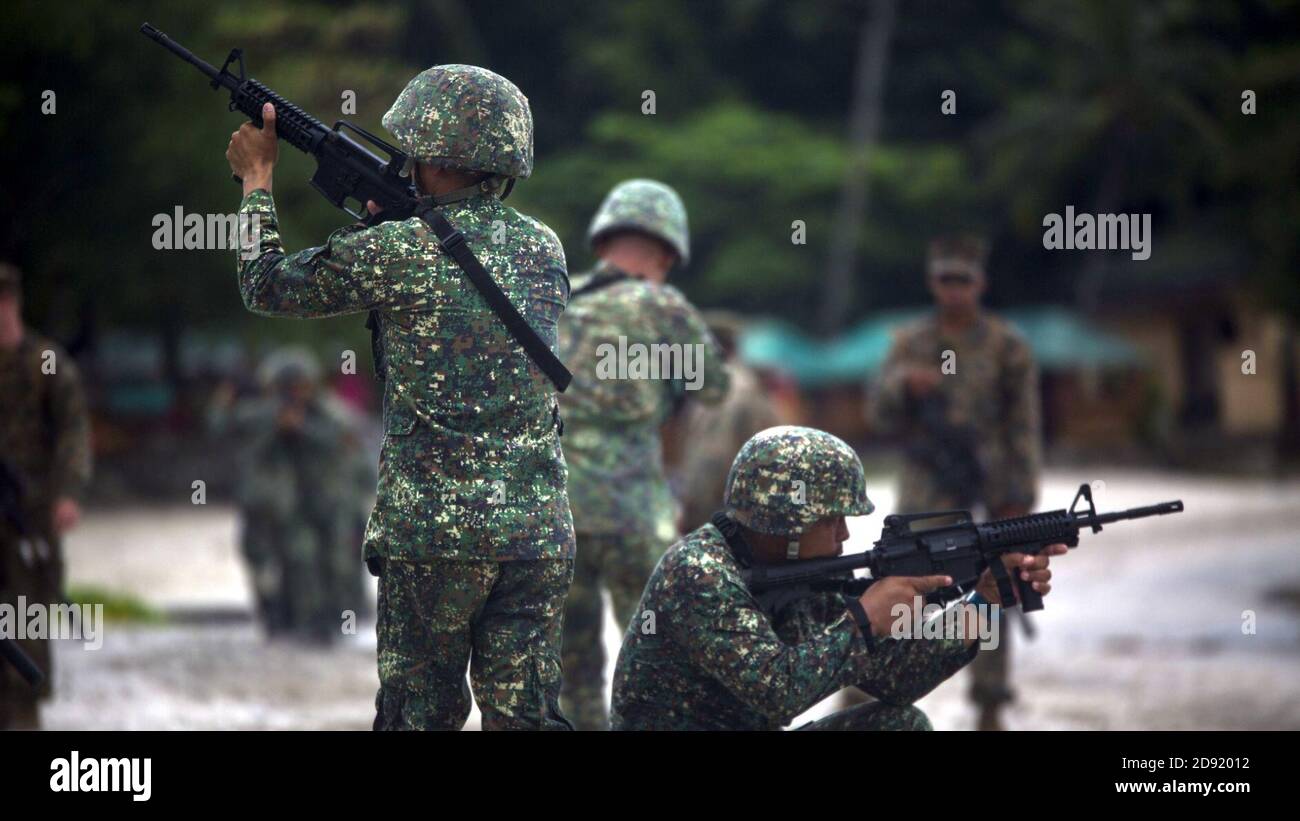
x,y
1135,105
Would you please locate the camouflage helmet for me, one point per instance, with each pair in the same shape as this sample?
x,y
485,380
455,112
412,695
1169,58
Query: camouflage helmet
x,y
464,117
284,366
646,206
787,478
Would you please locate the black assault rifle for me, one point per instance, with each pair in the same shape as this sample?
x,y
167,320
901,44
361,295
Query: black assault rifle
x,y
961,550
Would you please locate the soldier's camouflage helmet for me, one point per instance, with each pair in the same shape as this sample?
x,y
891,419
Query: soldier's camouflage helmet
x,y
788,477
647,206
464,117
287,365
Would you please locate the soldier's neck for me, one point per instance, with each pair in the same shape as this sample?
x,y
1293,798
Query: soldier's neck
x,y
957,322
634,264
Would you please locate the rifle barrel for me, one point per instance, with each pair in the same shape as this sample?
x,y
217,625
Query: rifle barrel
x,y
148,30
1133,513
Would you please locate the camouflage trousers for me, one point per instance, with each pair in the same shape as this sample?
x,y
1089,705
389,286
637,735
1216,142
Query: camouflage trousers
x,y
873,715
501,619
622,563
990,681
35,572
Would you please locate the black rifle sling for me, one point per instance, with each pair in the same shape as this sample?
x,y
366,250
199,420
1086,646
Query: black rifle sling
x,y
453,242
598,282
730,530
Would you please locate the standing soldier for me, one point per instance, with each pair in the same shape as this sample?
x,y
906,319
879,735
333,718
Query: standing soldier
x,y
295,485
961,389
622,506
708,437
471,535
44,467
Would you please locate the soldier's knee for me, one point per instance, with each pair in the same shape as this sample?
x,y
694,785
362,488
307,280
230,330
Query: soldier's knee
x,y
916,720
902,718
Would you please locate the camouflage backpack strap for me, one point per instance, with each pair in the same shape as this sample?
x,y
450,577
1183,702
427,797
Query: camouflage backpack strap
x,y
453,242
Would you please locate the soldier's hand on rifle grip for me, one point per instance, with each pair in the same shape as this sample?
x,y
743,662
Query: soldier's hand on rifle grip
x,y
1025,567
253,152
883,596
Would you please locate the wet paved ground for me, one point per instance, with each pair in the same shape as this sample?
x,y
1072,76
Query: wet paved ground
x,y
1143,631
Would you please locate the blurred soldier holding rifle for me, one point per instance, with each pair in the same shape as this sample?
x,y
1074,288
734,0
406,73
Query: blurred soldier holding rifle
x,y
44,467
960,387
296,476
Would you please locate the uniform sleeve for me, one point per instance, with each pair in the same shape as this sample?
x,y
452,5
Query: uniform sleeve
x,y
685,325
1022,428
889,397
729,638
357,269
902,670
71,422
913,667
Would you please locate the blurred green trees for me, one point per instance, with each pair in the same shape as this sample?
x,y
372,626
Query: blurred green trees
x,y
1109,106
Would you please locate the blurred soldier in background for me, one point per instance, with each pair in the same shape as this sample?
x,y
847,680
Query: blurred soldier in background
x,y
471,535
623,510
960,387
707,438
295,491
44,467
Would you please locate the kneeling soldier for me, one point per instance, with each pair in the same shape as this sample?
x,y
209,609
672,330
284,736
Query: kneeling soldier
x,y
701,653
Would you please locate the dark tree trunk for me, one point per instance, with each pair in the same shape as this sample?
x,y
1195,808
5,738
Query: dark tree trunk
x,y
864,133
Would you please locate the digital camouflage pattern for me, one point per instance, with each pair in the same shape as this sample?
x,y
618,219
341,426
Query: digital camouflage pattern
x,y
994,392
501,619
646,206
294,491
620,562
464,117
471,466
611,426
45,441
789,477
701,654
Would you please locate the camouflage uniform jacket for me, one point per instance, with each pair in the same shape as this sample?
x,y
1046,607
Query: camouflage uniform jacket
x,y
471,466
611,436
45,429
716,661
993,392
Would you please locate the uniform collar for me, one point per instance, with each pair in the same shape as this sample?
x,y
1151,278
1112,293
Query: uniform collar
x,y
468,192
